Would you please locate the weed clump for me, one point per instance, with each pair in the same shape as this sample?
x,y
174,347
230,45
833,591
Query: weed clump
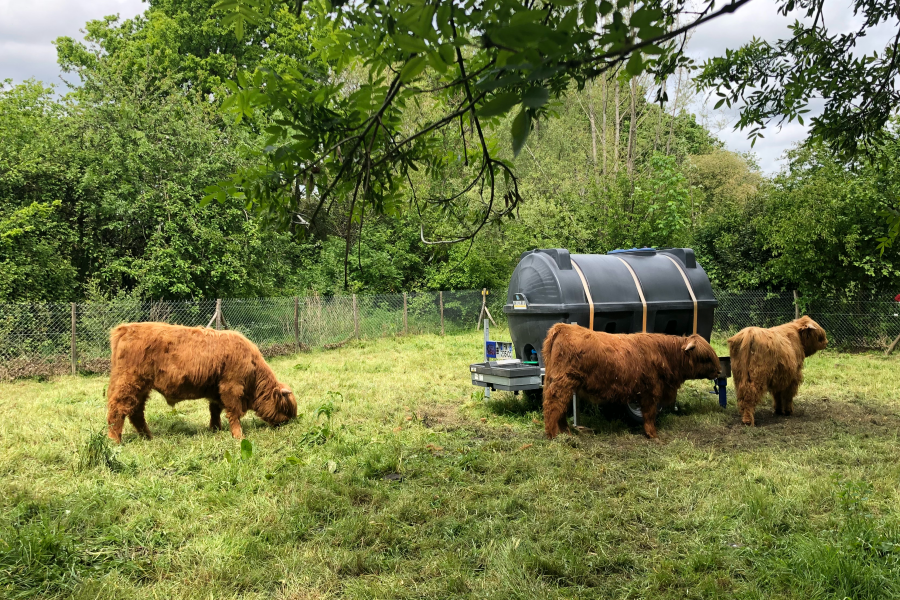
x,y
97,452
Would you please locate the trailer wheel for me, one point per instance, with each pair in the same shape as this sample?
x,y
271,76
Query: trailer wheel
x,y
633,412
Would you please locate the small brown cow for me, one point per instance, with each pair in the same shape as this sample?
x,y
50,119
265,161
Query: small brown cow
x,y
187,363
771,360
647,368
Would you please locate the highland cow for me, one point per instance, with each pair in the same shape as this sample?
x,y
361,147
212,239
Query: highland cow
x,y
647,368
188,363
771,360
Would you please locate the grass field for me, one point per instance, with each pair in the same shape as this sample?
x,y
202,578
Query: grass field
x,y
397,481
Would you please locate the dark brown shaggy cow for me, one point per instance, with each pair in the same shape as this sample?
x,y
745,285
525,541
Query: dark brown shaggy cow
x,y
647,368
771,360
187,363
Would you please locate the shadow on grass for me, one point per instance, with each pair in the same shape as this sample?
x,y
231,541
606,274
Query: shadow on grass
x,y
509,404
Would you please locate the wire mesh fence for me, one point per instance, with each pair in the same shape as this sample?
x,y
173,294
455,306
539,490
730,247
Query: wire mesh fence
x,y
864,322
52,339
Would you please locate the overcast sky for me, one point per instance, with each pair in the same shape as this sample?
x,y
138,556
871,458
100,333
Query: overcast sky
x,y
28,28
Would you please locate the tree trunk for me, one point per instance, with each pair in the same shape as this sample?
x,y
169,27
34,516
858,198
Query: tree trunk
x,y
618,126
593,120
605,106
632,128
674,113
659,121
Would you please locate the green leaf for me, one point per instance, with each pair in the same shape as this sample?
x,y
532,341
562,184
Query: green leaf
x,y
589,13
407,43
528,16
246,449
569,22
448,53
520,36
635,65
412,68
499,104
536,97
521,127
228,456
436,63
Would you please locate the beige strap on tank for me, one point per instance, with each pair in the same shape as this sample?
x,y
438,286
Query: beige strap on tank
x,y
587,293
640,292
687,283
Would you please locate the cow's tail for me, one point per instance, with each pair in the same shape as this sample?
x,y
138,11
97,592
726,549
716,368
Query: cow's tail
x,y
547,348
741,347
114,337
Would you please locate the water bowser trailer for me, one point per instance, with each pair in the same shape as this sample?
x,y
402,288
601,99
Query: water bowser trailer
x,y
647,290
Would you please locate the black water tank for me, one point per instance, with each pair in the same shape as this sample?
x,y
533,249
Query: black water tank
x,y
654,291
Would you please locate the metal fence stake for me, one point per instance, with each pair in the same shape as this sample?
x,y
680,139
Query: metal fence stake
x,y
74,343
405,328
297,322
441,298
355,318
796,306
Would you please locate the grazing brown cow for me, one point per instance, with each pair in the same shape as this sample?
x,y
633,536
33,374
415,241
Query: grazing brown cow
x,y
647,368
771,360
187,363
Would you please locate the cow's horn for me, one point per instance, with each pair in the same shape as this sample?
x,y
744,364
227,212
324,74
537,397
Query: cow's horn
x,y
285,391
690,345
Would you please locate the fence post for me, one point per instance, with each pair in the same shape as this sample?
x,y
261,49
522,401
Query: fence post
x,y
74,344
441,298
297,322
355,318
218,314
404,314
796,306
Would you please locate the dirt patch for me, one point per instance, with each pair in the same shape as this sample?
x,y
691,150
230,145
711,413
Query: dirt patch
x,y
813,420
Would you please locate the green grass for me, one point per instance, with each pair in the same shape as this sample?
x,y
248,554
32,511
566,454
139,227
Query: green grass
x,y
397,481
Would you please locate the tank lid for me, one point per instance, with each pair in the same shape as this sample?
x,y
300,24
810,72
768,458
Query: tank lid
x,y
560,256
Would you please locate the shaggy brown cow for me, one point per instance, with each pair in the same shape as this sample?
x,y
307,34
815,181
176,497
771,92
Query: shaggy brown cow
x,y
647,368
771,360
187,363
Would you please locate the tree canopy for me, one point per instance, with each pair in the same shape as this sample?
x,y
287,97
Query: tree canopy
x,y
474,62
100,189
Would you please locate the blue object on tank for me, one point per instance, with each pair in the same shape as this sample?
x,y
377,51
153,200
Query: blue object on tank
x,y
632,250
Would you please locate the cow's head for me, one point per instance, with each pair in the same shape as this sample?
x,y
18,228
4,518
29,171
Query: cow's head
x,y
812,336
701,359
280,406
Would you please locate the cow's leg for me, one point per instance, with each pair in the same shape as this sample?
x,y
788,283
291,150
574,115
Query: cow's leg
x,y
669,396
137,417
122,399
230,395
234,423
787,399
776,403
649,408
215,415
557,395
749,396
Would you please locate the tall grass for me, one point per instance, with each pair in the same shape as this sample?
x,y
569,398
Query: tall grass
x,y
397,480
